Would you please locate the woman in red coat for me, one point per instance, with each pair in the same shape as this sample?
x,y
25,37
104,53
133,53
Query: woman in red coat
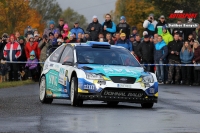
x,y
32,46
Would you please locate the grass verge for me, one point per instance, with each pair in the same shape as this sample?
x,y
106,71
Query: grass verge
x,y
15,83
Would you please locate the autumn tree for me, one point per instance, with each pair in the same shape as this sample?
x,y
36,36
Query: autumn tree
x,y
17,15
70,16
48,9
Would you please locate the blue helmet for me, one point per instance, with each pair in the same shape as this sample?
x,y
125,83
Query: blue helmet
x,y
122,17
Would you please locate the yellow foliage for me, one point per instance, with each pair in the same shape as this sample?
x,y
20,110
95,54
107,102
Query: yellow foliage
x,y
17,15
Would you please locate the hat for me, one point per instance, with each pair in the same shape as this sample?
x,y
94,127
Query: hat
x,y
131,36
36,35
21,37
61,19
145,33
5,35
122,34
134,28
51,22
51,34
151,15
123,18
162,16
146,36
65,26
94,17
32,52
31,36
44,36
164,27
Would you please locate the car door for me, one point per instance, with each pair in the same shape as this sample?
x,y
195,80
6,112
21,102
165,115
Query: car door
x,y
65,69
53,73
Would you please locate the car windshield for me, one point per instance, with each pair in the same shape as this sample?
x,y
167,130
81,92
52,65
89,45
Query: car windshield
x,y
113,56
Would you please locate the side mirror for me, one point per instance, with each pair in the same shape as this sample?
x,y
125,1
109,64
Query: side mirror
x,y
69,63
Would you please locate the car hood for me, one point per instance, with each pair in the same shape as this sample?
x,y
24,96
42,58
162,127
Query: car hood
x,y
113,70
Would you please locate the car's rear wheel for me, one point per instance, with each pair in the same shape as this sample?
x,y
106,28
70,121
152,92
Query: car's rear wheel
x,y
147,105
43,98
74,93
112,103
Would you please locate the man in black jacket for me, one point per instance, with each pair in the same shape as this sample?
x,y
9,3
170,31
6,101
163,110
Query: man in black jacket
x,y
160,24
146,52
123,27
174,48
94,28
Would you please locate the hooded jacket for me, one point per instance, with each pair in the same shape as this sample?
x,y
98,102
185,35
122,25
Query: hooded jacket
x,y
146,51
161,51
167,37
94,33
186,56
12,51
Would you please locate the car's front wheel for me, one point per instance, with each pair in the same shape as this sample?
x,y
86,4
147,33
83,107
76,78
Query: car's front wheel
x,y
147,105
74,93
43,98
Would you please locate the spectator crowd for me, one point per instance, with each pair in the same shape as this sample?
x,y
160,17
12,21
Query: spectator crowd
x,y
157,45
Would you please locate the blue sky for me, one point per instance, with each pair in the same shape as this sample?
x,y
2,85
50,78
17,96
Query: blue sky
x,y
89,8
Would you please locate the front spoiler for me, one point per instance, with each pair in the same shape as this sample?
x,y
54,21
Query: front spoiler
x,y
119,99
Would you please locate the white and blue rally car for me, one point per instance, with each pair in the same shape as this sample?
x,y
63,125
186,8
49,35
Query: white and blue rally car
x,y
96,71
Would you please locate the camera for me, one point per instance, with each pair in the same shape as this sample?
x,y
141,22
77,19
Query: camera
x,y
151,18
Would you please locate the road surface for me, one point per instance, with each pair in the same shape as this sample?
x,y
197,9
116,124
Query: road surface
x,y
178,111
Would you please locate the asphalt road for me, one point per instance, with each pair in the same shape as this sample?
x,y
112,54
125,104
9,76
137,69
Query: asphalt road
x,y
178,111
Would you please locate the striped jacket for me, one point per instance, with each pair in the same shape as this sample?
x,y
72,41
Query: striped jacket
x,y
12,51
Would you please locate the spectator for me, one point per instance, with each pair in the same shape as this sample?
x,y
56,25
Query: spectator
x,y
188,31
132,39
32,67
174,48
167,37
114,39
117,36
151,39
145,52
191,40
72,39
196,60
80,39
136,46
178,30
160,25
109,39
43,46
28,31
86,37
186,56
134,31
181,38
12,51
51,28
123,42
155,36
56,35
123,27
37,38
160,54
3,42
31,46
77,29
17,35
61,25
144,33
94,28
66,31
108,26
101,38
150,24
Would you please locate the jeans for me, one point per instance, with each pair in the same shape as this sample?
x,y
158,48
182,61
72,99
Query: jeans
x,y
160,71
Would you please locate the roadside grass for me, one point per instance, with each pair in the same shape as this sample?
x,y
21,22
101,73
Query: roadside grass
x,y
15,83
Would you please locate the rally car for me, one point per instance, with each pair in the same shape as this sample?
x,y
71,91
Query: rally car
x,y
96,71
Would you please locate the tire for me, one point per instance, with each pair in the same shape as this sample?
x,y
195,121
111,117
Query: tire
x,y
74,93
109,103
147,105
42,97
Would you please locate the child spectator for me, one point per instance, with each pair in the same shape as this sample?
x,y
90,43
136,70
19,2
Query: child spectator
x,y
32,67
66,32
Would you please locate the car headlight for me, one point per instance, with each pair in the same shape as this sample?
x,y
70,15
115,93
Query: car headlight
x,y
93,76
148,79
